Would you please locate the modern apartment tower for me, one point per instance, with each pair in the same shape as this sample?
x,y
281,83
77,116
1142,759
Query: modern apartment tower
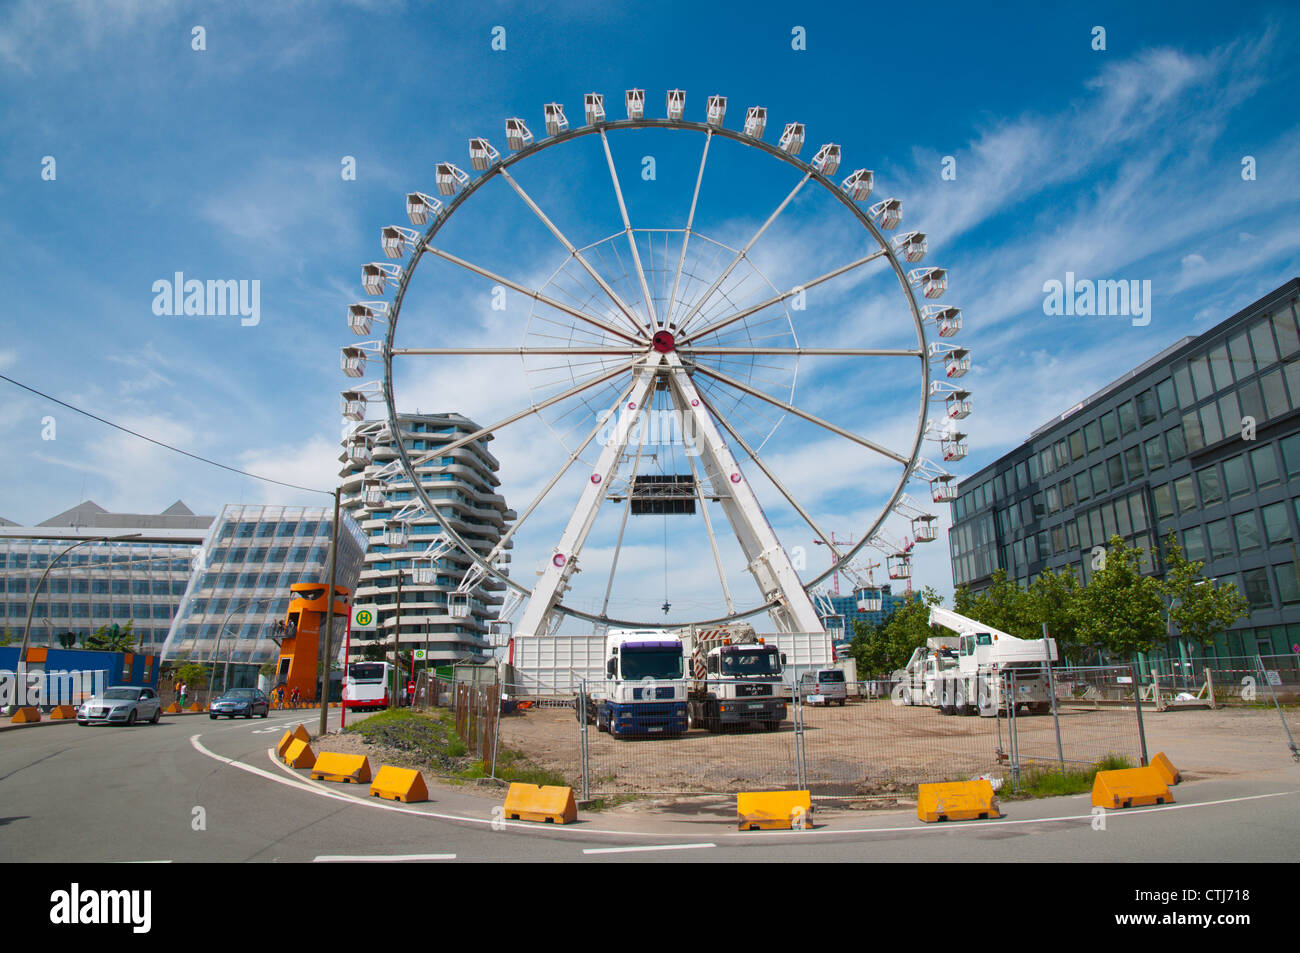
x,y
463,484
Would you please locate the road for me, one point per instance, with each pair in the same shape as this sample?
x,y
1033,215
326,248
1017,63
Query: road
x,y
192,789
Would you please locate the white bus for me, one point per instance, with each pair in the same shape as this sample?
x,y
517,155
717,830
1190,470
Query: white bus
x,y
367,685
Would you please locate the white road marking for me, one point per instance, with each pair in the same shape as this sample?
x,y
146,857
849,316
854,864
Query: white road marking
x,y
634,850
319,790
377,858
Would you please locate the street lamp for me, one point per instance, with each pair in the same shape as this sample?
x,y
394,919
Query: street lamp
x,y
31,608
225,681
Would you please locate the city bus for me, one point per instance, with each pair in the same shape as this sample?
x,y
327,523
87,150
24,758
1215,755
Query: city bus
x,y
367,685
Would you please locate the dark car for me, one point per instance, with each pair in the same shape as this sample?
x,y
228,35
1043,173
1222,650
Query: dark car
x,y
241,701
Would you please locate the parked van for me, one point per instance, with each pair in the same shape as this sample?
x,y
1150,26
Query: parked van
x,y
823,686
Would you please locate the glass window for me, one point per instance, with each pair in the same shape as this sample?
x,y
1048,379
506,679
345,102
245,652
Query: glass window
x,y
1094,526
1192,431
1108,520
1092,436
1230,412
1210,424
1185,493
1039,509
1176,444
1053,500
1201,381
1252,405
1183,384
1274,394
1288,340
1067,493
1211,490
1155,453
1264,464
1261,338
1109,427
1277,527
1146,407
1122,521
1235,479
1046,462
1287,585
1239,349
1127,419
1219,366
1194,543
1138,505
1062,454
1164,501
1166,397
1133,461
1115,471
1220,541
1076,445
1246,529
1291,454
1291,370
1082,486
1099,480
1072,534
1256,589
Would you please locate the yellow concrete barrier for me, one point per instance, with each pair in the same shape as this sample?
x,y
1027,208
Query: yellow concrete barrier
x,y
546,804
1130,787
25,716
774,810
344,768
1165,768
399,784
195,707
956,801
173,709
289,737
299,755
60,712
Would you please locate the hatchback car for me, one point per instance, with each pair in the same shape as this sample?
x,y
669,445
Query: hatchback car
x,y
241,701
121,705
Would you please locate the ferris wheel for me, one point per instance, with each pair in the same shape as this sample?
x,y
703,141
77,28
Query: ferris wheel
x,y
665,325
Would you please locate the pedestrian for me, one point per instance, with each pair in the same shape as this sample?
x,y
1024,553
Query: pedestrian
x,y
181,693
176,690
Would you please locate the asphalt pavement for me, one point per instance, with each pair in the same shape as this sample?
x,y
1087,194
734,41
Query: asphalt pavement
x,y
191,789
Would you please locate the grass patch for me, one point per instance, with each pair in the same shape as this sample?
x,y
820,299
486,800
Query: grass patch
x,y
430,738
1048,780
609,801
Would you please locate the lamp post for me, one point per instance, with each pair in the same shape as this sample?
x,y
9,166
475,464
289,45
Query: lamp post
x,y
31,608
221,630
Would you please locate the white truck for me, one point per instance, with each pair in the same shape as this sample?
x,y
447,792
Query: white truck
x,y
644,689
969,680
736,678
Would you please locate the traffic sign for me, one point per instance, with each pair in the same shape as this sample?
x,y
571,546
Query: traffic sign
x,y
419,655
364,618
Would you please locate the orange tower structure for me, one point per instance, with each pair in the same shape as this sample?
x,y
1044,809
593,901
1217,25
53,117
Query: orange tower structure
x,y
299,665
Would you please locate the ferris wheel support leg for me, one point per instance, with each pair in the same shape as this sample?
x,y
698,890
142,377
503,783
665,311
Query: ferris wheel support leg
x,y
538,615
768,561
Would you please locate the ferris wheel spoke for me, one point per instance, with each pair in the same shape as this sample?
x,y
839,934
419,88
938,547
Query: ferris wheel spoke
x,y
772,477
811,418
808,351
777,299
532,293
577,255
686,236
564,468
740,255
513,351
444,449
631,238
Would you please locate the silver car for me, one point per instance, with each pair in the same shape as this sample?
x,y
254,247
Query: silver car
x,y
121,705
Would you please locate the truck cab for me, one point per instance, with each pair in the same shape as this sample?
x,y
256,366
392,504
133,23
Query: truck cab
x,y
742,685
645,688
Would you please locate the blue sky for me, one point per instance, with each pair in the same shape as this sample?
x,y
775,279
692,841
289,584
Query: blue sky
x,y
225,164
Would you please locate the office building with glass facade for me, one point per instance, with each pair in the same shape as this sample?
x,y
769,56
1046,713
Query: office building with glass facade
x,y
98,583
408,545
240,585
1202,440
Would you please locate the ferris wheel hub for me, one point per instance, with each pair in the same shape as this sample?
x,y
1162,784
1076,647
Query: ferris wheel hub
x,y
664,342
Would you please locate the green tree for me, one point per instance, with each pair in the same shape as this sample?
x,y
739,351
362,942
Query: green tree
x,y
1121,609
8,638
194,675
113,638
907,628
1199,609
870,650
67,639
1005,606
1053,597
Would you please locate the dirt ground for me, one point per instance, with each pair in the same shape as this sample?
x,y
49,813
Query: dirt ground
x,y
876,749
